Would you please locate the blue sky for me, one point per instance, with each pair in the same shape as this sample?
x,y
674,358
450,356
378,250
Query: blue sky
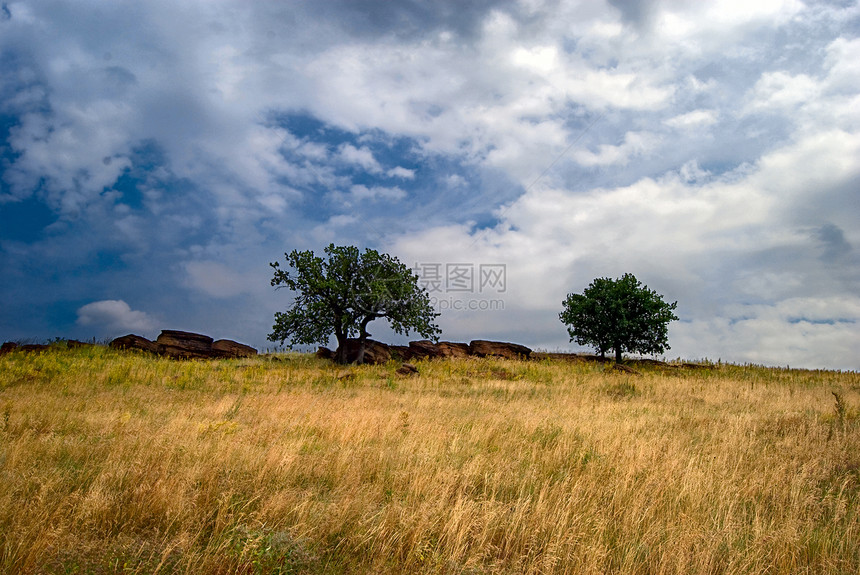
x,y
156,156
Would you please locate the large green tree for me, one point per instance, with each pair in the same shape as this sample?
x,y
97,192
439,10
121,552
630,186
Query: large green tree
x,y
345,291
620,315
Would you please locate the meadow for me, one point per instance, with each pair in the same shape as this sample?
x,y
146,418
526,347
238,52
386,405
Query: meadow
x,y
117,462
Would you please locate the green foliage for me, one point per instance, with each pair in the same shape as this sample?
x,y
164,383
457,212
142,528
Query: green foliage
x,y
263,551
620,315
342,294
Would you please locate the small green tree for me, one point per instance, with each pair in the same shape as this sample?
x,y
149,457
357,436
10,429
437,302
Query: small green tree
x,y
343,293
621,315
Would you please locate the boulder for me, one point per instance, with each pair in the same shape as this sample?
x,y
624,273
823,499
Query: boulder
x,y
452,349
230,348
401,352
34,347
75,344
324,353
374,352
8,347
482,348
407,369
183,344
424,349
132,341
624,369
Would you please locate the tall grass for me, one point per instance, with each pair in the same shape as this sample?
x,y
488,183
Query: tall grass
x,y
124,463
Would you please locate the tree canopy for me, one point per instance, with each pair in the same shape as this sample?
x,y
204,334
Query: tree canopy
x,y
345,291
620,315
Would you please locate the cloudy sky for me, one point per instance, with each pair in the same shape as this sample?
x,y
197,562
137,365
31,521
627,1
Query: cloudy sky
x,y
155,156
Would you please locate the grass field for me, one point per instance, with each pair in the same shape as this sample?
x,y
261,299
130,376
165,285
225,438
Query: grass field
x,y
123,463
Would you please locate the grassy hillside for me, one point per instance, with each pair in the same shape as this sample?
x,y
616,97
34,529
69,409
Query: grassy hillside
x,y
122,463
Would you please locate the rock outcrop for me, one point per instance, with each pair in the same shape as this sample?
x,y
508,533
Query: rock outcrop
x,y
8,347
483,348
132,341
376,352
324,353
185,345
230,348
424,349
34,347
401,352
453,349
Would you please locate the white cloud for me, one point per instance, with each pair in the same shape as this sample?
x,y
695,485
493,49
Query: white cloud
x,y
401,172
634,145
601,89
818,162
843,58
540,58
779,90
75,154
363,193
114,316
815,101
506,101
707,24
361,157
455,181
694,119
692,173
801,332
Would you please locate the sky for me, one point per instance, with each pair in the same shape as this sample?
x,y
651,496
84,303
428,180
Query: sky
x,y
156,156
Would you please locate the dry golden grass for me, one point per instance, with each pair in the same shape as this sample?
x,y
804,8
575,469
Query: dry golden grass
x,y
123,463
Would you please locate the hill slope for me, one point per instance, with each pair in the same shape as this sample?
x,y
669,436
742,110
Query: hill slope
x,y
116,462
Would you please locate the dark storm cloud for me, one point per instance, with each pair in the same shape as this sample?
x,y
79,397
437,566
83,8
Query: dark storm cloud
x,y
833,242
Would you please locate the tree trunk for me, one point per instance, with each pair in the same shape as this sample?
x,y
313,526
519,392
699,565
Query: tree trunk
x,y
340,354
362,338
618,354
359,358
